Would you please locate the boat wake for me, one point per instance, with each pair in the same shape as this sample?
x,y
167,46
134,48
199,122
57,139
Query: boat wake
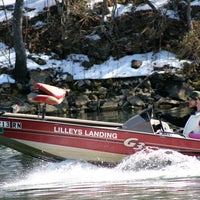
x,y
145,165
157,159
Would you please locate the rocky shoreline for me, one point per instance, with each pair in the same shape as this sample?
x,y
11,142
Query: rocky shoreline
x,y
161,90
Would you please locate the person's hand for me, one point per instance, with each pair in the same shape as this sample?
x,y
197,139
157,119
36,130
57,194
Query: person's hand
x,y
158,115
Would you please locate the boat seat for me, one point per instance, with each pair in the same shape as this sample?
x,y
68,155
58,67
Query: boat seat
x,y
50,90
47,94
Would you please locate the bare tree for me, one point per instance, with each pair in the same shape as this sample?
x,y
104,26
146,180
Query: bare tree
x,y
7,27
189,19
151,5
63,11
20,72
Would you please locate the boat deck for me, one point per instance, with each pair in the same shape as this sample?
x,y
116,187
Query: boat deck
x,y
64,120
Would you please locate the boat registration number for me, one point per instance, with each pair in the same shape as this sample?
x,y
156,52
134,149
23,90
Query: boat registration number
x,y
8,124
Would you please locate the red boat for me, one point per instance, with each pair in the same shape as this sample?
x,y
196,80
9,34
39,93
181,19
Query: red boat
x,y
58,138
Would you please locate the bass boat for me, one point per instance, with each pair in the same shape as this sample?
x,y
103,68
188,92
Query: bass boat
x,y
59,138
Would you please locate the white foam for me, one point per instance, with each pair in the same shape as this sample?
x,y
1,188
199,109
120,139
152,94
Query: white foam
x,y
156,164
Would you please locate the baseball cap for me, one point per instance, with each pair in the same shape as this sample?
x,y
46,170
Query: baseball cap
x,y
194,95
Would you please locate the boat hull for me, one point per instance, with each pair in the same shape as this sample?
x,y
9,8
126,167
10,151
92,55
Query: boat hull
x,y
57,139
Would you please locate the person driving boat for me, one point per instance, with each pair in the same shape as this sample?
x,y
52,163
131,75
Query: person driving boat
x,y
194,103
190,122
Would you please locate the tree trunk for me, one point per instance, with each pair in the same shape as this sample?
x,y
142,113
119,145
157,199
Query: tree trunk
x,y
63,10
20,72
189,19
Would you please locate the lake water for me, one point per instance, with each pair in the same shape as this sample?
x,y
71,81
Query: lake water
x,y
159,174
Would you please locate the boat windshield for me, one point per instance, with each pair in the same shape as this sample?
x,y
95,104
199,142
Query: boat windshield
x,y
140,122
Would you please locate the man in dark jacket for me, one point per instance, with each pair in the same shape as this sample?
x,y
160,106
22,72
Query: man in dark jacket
x,y
194,102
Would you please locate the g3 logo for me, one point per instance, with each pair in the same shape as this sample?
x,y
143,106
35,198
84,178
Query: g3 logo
x,y
133,142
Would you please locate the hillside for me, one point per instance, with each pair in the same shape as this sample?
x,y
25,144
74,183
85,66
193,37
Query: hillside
x,y
134,31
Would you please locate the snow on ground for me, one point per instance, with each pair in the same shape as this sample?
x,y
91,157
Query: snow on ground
x,y
73,64
109,69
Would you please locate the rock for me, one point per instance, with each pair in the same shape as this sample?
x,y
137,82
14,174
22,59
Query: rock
x,y
167,103
93,106
37,60
136,64
82,85
69,78
81,100
102,90
41,76
136,101
109,105
6,88
87,64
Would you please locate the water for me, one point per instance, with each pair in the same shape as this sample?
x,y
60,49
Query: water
x,y
156,174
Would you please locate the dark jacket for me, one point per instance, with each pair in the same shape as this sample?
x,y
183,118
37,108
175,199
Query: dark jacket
x,y
177,121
